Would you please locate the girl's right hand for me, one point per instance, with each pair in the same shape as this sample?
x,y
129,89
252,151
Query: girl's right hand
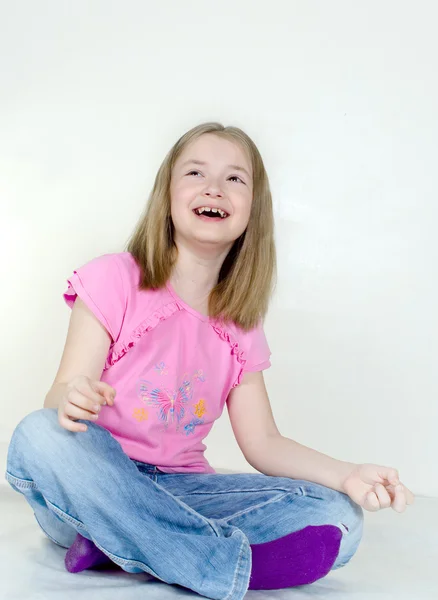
x,y
83,399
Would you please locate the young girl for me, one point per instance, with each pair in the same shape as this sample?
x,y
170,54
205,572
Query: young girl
x,y
174,327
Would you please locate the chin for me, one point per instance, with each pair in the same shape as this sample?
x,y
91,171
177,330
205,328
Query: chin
x,y
208,240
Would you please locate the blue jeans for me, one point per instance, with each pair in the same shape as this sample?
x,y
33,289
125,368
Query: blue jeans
x,y
193,530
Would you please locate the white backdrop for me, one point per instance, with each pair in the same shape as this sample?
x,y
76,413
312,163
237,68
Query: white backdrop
x,y
341,99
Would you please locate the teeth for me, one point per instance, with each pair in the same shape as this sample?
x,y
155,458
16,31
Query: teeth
x,y
201,209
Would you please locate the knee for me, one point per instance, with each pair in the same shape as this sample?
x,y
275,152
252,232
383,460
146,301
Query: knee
x,y
40,434
40,431
36,424
32,439
35,430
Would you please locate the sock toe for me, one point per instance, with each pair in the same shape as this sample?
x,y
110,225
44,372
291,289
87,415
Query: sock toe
x,y
83,554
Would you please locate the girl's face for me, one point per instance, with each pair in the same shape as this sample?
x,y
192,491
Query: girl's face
x,y
216,173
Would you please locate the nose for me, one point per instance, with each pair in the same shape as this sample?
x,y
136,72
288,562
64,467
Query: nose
x,y
213,194
213,189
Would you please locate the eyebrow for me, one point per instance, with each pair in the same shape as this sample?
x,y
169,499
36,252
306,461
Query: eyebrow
x,y
201,162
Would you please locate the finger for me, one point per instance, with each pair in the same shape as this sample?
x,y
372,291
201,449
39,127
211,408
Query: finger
x,y
108,392
90,393
389,474
391,491
410,498
399,504
76,398
371,502
74,412
382,495
66,423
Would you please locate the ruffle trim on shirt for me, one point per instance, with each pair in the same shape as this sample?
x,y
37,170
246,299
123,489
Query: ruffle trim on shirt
x,y
239,354
120,348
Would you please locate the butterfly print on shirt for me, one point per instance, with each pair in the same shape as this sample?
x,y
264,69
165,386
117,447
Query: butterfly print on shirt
x,y
171,405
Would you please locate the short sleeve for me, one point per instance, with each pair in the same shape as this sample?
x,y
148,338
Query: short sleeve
x,y
100,285
258,354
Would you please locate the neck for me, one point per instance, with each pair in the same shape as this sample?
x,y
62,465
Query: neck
x,y
194,275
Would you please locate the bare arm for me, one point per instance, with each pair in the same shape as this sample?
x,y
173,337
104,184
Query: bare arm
x,y
270,452
85,352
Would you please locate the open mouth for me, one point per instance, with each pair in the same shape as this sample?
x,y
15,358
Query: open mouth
x,y
211,214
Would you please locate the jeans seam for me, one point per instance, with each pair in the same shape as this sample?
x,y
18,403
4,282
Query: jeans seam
x,y
239,570
251,508
188,508
20,483
246,490
127,562
65,516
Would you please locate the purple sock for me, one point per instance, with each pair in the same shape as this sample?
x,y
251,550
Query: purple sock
x,y
84,554
296,559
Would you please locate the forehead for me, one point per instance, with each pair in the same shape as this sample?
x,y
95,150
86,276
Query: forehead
x,y
213,149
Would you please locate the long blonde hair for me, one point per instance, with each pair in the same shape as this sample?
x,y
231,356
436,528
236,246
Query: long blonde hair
x,y
248,274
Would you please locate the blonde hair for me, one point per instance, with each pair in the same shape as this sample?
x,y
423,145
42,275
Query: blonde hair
x,y
248,275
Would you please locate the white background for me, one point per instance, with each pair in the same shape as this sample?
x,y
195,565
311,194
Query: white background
x,y
341,99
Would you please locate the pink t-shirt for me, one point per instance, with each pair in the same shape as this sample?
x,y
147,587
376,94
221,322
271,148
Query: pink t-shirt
x,y
171,366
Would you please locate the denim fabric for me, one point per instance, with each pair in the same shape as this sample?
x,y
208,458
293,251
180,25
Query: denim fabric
x,y
193,530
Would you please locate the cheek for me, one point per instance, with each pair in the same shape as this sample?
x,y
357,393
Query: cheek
x,y
176,195
242,215
178,207
175,210
243,205
182,192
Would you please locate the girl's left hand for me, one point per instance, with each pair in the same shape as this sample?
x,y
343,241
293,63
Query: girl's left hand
x,y
374,487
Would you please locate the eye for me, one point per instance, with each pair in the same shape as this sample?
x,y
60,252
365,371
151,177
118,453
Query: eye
x,y
192,172
235,177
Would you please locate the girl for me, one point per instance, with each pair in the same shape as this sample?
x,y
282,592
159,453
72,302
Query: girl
x,y
174,326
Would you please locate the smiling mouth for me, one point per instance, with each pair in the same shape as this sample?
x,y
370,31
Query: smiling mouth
x,y
211,213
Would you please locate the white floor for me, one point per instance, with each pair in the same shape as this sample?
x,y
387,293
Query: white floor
x,y
398,559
